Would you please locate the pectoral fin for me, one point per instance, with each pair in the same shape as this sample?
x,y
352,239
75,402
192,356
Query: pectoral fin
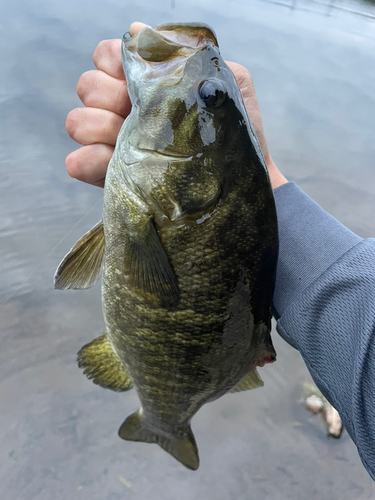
x,y
102,365
80,268
251,381
148,267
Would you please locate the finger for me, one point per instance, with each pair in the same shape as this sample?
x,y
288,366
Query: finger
x,y
245,82
136,28
244,79
90,125
89,163
97,89
107,55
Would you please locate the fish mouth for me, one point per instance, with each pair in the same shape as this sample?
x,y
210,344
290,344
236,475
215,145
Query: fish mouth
x,y
188,34
194,34
170,41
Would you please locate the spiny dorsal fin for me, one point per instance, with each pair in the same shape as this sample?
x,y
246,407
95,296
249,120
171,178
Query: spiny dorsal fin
x,y
80,268
182,447
102,365
251,381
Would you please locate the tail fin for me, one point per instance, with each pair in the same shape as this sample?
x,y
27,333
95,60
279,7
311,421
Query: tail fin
x,y
182,448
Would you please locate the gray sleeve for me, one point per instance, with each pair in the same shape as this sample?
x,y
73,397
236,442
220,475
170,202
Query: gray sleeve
x,y
324,303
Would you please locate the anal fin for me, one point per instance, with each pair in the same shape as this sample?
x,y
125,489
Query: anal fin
x,y
102,365
183,448
251,381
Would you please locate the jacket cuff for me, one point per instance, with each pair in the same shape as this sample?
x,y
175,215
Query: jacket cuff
x,y
310,241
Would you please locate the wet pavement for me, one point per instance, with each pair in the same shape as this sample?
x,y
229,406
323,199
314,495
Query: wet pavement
x,y
313,64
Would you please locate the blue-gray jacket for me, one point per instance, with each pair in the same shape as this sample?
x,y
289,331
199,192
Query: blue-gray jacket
x,y
324,303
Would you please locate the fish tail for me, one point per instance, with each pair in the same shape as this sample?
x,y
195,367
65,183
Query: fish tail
x,y
183,448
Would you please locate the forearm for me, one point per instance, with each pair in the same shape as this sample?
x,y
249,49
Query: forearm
x,y
324,303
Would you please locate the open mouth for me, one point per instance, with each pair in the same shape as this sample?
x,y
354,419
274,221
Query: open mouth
x,y
170,40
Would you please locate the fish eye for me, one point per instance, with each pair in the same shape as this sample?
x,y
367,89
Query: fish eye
x,y
212,93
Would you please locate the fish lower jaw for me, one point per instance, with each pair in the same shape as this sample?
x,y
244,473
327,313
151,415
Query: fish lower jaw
x,y
156,152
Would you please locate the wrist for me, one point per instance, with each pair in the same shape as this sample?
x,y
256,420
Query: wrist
x,y
276,177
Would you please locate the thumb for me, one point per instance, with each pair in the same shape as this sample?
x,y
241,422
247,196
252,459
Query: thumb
x,y
136,28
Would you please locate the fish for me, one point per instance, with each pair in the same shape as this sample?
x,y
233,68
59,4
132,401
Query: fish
x,y
187,245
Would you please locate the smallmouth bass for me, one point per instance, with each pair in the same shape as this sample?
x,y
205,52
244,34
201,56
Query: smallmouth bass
x,y
188,243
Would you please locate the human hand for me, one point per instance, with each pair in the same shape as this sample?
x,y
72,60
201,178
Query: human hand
x,y
104,93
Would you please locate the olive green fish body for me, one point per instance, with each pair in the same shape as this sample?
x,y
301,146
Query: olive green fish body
x,y
190,241
224,259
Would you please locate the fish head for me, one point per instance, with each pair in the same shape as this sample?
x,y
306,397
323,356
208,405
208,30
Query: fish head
x,y
185,99
188,139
